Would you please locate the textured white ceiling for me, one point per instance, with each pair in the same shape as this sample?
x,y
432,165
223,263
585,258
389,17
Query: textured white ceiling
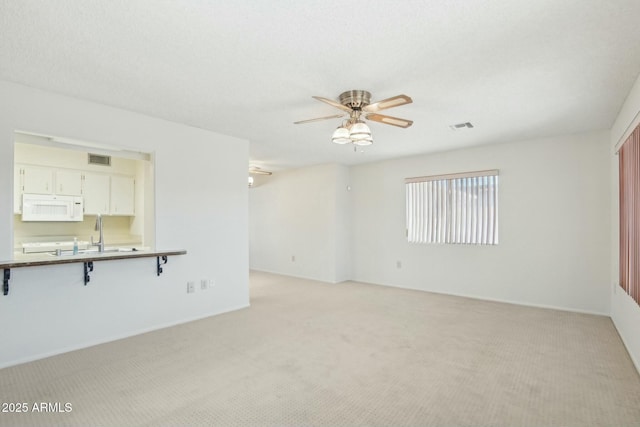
x,y
516,69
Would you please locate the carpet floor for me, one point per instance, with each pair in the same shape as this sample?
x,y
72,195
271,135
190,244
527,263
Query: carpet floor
x,y
313,354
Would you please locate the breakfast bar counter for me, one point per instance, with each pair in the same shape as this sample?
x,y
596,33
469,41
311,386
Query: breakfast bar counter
x,y
87,258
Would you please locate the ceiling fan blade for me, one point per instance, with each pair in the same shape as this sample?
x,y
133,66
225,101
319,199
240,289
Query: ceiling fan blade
x,y
258,171
333,103
388,120
394,101
317,119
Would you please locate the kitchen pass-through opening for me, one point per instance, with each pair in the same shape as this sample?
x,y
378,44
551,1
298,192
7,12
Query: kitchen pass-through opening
x,y
61,187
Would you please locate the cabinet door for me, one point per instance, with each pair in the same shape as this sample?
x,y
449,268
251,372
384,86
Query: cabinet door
x,y
122,195
69,183
37,180
95,190
17,190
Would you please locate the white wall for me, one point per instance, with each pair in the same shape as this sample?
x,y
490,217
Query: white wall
x,y
554,225
201,206
343,239
624,310
301,213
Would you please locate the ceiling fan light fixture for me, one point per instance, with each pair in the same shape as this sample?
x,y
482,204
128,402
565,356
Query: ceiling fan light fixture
x,y
341,136
359,131
363,142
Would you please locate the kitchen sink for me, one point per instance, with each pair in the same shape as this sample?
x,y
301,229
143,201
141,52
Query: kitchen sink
x,y
91,251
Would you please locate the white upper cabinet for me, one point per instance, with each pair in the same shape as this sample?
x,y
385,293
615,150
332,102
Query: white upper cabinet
x,y
108,194
96,193
44,180
37,180
68,182
103,193
122,195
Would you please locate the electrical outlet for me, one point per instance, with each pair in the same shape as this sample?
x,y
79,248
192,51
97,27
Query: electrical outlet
x,y
212,283
191,287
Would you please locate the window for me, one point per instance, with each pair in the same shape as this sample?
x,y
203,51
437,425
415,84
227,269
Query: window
x,y
629,170
455,208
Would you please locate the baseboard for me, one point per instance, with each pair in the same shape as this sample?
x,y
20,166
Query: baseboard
x,y
295,275
622,324
505,301
626,346
116,337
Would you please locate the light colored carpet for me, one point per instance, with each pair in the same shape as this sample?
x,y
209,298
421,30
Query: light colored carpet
x,y
310,354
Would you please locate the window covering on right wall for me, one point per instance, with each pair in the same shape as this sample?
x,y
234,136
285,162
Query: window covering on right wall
x,y
629,169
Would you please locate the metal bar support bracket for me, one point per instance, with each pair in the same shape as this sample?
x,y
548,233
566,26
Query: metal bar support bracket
x,y
88,268
160,264
5,281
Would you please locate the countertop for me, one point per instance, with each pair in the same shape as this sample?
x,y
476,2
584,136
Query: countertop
x,y
32,260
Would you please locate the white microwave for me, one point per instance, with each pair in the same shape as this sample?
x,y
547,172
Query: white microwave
x,y
47,207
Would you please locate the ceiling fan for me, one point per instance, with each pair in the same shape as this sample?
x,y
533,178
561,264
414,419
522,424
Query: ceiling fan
x,y
255,170
357,104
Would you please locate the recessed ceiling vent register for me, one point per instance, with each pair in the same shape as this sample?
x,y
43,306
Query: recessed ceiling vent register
x,y
460,126
98,159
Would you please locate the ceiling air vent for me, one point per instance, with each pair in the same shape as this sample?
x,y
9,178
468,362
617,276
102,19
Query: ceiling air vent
x,y
460,126
98,159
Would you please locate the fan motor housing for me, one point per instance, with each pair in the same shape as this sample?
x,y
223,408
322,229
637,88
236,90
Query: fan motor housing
x,y
355,99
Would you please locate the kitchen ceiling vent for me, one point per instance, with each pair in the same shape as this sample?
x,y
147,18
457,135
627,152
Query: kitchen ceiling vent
x,y
98,159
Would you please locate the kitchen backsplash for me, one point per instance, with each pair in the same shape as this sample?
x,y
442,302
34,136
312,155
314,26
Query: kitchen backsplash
x,y
115,228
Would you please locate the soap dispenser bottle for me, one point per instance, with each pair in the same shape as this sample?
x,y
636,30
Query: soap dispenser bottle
x,y
75,246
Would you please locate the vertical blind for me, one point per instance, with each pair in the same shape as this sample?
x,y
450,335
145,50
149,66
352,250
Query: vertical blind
x,y
455,208
629,169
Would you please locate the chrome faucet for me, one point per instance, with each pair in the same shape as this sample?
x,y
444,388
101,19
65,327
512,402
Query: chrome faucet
x,y
99,243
